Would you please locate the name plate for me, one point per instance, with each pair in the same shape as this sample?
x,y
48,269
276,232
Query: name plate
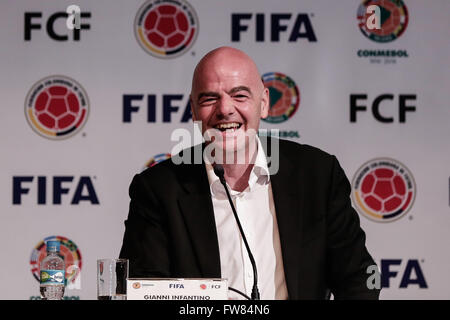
x,y
177,289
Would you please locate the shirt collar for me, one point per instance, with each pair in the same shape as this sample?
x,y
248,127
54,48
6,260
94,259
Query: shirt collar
x,y
259,175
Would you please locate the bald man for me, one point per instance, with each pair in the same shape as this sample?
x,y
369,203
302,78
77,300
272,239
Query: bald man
x,y
304,234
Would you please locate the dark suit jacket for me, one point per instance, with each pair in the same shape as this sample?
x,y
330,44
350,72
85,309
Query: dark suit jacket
x,y
170,230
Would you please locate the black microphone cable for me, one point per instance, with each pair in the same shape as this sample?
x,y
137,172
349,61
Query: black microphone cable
x,y
239,292
219,171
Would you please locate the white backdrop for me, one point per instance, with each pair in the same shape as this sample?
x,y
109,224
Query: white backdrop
x,y
102,156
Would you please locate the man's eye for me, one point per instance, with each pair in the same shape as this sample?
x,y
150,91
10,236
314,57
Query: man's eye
x,y
240,96
208,100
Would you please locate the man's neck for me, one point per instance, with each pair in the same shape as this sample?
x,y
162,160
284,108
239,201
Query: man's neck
x,y
237,175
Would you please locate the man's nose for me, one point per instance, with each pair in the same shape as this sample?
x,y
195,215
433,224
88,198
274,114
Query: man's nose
x,y
225,108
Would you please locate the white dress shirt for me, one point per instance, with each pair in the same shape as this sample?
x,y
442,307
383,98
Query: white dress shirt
x,y
256,211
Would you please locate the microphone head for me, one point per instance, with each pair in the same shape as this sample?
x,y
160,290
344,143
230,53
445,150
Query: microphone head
x,y
218,170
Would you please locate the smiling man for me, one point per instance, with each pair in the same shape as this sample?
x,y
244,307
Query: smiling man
x,y
304,234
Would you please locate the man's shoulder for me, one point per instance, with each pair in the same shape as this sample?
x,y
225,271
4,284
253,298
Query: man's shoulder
x,y
163,170
170,169
288,156
299,151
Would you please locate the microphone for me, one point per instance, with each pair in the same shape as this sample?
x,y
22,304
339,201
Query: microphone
x,y
219,171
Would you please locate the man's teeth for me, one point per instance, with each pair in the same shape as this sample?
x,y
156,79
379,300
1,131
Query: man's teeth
x,y
227,126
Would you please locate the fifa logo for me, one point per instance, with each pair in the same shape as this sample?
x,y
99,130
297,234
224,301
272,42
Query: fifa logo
x,y
373,21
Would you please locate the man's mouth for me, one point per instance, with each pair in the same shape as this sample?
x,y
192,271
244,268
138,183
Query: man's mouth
x,y
228,127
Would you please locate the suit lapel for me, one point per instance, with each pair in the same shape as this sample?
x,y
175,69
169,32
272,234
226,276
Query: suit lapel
x,y
197,210
288,198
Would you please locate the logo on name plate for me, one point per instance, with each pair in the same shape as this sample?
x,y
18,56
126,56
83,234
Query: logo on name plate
x,y
383,190
166,28
136,285
284,97
57,107
393,20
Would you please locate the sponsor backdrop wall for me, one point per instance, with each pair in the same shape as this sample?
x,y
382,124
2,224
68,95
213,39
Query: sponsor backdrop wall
x,y
85,109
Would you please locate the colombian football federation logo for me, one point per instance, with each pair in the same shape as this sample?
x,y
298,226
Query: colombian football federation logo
x,y
136,285
284,96
68,250
383,190
166,28
57,107
393,20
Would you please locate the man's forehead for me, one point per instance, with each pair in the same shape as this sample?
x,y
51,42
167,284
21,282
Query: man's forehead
x,y
227,55
226,78
225,75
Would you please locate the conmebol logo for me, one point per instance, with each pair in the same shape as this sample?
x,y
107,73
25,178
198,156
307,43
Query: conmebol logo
x,y
284,96
393,19
68,250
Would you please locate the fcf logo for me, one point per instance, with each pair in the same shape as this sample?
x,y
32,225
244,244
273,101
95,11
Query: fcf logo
x,y
166,28
57,107
383,190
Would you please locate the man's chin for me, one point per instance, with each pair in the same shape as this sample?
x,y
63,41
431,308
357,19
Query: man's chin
x,y
231,151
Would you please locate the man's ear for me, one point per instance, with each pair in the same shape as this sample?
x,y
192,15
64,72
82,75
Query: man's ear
x,y
265,103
